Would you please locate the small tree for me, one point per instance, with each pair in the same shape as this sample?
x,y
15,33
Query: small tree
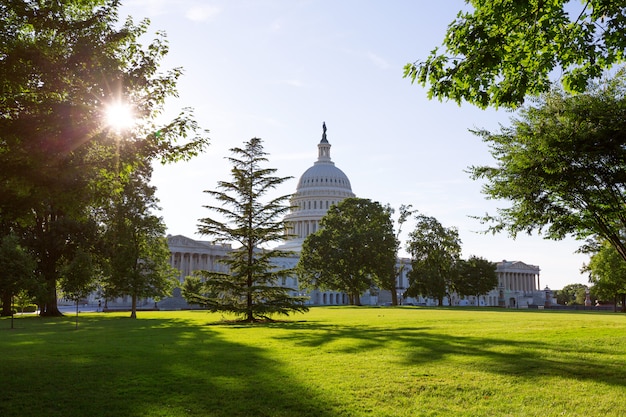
x,y
137,249
607,273
250,289
78,278
23,299
435,252
477,276
354,249
405,212
192,289
17,271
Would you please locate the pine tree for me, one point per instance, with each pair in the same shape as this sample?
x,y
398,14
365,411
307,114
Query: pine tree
x,y
250,287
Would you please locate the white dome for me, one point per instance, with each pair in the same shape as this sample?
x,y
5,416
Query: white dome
x,y
321,186
324,176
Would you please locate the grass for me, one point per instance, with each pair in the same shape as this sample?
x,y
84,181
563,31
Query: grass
x,y
343,361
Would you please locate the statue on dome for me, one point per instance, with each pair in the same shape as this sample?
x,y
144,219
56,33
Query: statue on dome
x,y
323,130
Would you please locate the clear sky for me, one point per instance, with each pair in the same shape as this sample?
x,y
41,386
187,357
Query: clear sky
x,y
277,69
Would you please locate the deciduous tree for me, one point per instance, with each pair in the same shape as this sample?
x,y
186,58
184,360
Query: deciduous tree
x,y
476,276
435,252
562,167
572,294
17,271
354,250
79,278
607,273
248,216
62,64
500,51
138,253
405,212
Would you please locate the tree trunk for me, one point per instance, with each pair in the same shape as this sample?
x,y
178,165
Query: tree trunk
x,y
354,299
440,301
249,304
49,307
394,297
6,304
133,307
623,303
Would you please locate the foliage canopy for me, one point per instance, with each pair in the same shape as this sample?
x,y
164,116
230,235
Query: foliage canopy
x,y
435,252
61,64
562,166
476,276
354,250
501,51
607,273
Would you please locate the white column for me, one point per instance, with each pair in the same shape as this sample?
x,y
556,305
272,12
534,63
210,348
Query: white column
x,y
526,282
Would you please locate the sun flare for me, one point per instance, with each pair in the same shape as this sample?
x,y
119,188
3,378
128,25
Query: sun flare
x,y
119,116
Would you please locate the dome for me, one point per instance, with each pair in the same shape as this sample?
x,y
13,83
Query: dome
x,y
326,176
320,187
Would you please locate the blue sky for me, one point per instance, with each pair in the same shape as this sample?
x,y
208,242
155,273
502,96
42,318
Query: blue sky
x,y
277,69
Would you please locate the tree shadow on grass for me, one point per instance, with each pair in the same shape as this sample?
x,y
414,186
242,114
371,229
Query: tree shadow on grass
x,y
146,367
416,346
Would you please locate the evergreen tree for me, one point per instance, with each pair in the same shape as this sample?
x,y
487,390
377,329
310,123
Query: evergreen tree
x,y
250,289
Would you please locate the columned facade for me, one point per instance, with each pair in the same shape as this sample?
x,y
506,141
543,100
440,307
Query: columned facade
x,y
518,285
321,186
189,255
518,276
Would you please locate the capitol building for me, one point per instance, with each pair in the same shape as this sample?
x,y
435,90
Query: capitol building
x,y
320,186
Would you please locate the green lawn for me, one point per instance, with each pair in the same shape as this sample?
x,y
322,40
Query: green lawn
x,y
343,361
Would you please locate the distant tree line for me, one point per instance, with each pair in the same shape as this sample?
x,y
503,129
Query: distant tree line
x,y
356,250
